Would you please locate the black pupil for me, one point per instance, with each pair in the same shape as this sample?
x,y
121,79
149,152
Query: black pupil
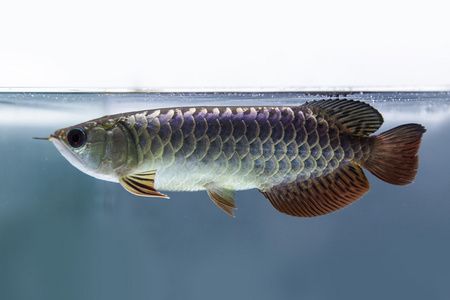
x,y
76,137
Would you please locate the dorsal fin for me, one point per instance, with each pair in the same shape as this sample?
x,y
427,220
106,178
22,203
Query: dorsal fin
x,y
223,198
355,117
321,195
141,184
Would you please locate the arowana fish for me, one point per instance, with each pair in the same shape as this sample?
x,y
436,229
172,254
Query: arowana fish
x,y
307,160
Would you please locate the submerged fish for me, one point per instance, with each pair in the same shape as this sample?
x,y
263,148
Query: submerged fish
x,y
307,160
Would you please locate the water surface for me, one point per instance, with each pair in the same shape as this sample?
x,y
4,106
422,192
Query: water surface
x,y
65,235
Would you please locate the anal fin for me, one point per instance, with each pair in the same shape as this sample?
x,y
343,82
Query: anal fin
x,y
321,195
141,184
223,198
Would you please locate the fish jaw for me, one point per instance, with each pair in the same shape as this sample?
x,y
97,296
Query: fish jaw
x,y
75,161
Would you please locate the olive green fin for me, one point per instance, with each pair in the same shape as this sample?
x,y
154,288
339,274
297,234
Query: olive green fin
x,y
321,195
141,184
223,198
355,117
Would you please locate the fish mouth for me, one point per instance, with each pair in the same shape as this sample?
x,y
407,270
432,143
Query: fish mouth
x,y
57,139
65,150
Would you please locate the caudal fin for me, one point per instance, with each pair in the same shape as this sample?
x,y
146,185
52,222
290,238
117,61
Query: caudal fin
x,y
394,154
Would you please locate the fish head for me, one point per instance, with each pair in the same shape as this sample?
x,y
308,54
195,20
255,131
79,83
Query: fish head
x,y
98,148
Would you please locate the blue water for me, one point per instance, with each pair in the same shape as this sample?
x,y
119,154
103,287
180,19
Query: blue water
x,y
65,235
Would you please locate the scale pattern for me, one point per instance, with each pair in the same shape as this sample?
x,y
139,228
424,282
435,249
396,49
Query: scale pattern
x,y
262,146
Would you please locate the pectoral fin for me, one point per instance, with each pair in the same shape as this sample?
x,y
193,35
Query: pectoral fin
x,y
223,198
322,195
141,184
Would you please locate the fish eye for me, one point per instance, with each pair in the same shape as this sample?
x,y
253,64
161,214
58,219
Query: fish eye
x,y
76,137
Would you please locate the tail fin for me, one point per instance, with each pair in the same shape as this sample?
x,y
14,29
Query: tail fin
x,y
394,154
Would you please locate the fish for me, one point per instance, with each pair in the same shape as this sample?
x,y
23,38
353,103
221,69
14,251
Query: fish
x,y
307,160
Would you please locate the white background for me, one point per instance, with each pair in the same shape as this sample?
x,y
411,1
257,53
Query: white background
x,y
227,44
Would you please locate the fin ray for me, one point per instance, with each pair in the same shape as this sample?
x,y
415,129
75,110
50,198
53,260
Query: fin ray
x,y
141,184
322,195
394,157
356,117
223,198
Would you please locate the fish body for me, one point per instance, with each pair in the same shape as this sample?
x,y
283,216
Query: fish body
x,y
236,148
293,155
